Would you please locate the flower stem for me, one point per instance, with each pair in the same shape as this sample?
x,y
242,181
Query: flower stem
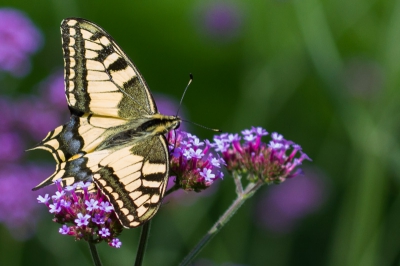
x,y
238,183
144,235
172,189
94,253
224,219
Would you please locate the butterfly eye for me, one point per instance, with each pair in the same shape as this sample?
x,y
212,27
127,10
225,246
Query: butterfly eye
x,y
178,124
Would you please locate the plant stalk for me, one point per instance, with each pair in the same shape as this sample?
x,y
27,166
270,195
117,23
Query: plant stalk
x,y
224,219
94,253
144,235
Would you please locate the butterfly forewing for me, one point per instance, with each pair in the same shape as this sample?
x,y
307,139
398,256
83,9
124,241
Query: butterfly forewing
x,y
99,77
114,136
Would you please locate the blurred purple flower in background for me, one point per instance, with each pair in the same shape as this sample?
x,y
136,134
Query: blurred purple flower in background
x,y
46,112
221,20
18,207
38,117
25,121
52,89
19,39
166,105
12,147
283,206
7,111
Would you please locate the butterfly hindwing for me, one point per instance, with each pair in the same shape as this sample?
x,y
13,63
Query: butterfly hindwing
x,y
80,135
69,172
134,179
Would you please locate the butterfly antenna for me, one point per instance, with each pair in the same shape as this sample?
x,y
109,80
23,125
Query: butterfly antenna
x,y
180,104
184,92
212,129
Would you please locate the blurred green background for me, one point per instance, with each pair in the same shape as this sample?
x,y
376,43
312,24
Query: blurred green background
x,y
325,74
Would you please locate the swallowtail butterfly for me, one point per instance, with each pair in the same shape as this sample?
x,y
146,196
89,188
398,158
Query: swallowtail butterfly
x,y
115,135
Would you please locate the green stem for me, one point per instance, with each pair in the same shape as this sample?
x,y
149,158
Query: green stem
x,y
238,183
94,253
224,219
169,191
144,236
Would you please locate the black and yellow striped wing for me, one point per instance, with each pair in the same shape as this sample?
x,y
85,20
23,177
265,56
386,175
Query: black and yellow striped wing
x,y
133,177
104,140
99,76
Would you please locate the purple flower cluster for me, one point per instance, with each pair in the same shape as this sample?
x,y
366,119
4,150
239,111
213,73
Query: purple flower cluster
x,y
19,39
193,161
258,160
91,215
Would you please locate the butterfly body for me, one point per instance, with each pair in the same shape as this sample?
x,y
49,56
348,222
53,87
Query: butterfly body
x,y
139,129
115,135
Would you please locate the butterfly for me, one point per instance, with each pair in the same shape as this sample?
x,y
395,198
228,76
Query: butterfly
x,y
115,135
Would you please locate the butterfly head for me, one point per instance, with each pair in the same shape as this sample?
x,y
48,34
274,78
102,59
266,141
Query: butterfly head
x,y
171,122
159,124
